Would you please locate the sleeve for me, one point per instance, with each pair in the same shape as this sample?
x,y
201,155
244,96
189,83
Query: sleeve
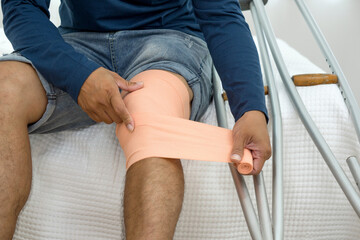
x,y
234,53
27,25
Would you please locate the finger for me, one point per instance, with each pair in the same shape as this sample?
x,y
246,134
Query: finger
x,y
127,85
124,93
237,151
121,111
100,115
112,114
258,165
106,118
103,117
94,116
260,158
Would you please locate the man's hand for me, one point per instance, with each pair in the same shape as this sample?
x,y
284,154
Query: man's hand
x,y
250,132
100,97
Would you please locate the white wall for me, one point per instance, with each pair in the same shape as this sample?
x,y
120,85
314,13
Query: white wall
x,y
338,19
54,15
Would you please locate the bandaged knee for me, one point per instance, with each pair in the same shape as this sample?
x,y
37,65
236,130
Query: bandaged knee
x,y
160,111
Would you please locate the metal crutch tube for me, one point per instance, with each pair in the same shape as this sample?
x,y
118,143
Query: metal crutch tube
x,y
241,189
333,65
277,135
263,207
305,117
355,169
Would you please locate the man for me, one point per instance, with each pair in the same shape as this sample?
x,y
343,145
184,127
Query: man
x,y
86,61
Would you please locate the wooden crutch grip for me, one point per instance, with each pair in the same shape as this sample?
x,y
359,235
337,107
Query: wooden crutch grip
x,y
304,80
266,90
224,96
314,79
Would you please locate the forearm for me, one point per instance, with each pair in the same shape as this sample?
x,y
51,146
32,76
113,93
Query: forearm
x,y
234,53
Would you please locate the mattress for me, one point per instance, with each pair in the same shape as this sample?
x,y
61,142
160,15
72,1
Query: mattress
x,y
78,177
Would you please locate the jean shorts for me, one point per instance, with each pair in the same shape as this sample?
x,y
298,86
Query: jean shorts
x,y
128,53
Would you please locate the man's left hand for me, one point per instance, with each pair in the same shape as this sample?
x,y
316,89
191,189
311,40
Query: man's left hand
x,y
250,132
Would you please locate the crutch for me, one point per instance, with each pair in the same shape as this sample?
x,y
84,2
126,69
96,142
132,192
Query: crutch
x,y
240,185
348,96
350,192
264,231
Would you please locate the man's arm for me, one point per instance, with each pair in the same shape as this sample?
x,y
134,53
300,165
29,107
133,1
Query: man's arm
x,y
31,33
235,57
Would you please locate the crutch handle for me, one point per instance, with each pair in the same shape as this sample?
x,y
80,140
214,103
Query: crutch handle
x,y
266,90
314,79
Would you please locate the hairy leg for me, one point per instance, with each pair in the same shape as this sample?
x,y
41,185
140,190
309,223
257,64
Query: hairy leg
x,y
153,197
22,101
154,193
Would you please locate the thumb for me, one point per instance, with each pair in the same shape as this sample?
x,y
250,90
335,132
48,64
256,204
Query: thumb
x,y
127,85
237,151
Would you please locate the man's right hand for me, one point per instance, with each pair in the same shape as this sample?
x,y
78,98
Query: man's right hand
x,y
100,97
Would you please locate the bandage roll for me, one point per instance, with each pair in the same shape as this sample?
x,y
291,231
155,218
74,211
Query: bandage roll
x,y
160,111
246,164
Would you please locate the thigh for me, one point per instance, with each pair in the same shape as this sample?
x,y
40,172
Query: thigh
x,y
67,114
49,108
61,111
168,50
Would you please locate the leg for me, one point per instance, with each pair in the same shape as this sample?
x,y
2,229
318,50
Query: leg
x,y
154,191
22,101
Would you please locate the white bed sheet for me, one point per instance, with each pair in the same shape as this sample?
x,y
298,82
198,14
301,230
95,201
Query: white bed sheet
x,y
78,178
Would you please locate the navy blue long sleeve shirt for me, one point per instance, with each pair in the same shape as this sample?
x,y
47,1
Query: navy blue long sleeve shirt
x,y
219,22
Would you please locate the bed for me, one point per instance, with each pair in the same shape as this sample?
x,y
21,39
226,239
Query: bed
x,y
78,177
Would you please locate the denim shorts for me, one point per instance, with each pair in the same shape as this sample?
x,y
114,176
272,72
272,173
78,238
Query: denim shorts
x,y
128,53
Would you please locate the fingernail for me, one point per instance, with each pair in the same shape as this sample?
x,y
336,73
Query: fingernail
x,y
236,157
139,83
130,127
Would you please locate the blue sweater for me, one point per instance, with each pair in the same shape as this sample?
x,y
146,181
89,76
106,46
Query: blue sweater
x,y
219,22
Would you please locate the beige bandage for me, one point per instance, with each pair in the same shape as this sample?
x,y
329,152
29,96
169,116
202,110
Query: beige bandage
x,y
160,111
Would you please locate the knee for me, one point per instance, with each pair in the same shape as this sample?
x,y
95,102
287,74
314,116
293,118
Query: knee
x,y
21,93
12,83
158,166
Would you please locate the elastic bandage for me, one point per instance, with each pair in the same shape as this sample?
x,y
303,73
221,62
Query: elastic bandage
x,y
160,111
